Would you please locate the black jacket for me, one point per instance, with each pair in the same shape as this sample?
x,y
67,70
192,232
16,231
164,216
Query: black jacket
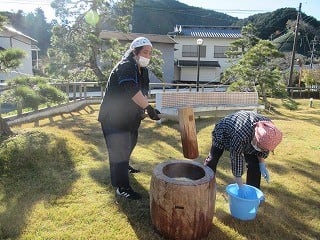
x,y
117,110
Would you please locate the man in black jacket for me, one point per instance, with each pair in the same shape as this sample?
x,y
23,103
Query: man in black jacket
x,y
121,111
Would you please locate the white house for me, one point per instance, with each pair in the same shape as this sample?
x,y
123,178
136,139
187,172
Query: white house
x,y
11,38
213,41
163,43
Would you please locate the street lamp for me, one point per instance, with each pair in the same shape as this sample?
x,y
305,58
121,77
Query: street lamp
x,y
199,43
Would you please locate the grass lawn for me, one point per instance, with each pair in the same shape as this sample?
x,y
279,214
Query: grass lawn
x,y
55,182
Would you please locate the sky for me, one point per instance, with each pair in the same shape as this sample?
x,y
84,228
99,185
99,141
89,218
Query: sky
x,y
245,8
235,8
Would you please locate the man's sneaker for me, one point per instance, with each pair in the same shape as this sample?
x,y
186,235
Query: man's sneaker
x,y
128,193
132,170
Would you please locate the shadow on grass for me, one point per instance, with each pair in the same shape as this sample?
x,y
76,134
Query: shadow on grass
x,y
285,217
281,220
137,211
34,167
90,130
309,116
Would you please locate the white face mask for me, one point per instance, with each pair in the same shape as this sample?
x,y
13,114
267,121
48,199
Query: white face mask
x,y
256,147
143,62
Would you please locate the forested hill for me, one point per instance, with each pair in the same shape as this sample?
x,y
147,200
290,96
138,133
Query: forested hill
x,y
270,25
160,16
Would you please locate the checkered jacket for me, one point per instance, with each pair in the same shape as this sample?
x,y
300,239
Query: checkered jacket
x,y
234,134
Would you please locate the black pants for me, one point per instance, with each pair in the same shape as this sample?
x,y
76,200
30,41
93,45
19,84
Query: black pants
x,y
253,172
120,146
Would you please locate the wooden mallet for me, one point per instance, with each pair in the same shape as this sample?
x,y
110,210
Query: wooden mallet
x,y
188,131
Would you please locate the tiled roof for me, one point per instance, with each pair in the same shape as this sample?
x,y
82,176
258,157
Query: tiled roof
x,y
154,38
16,32
207,31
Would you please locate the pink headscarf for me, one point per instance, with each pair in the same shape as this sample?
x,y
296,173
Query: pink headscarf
x,y
268,135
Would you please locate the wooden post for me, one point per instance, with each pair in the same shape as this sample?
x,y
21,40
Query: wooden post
x,y
102,91
68,91
80,91
74,92
85,91
188,133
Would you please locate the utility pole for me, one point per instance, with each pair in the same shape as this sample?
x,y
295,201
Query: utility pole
x,y
312,51
294,49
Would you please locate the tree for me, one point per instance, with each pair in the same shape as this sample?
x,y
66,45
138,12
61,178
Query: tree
x,y
77,51
257,71
76,45
37,27
9,59
24,91
30,92
269,24
240,46
33,24
306,33
311,77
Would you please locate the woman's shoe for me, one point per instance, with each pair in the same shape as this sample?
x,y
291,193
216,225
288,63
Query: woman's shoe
x,y
128,193
132,170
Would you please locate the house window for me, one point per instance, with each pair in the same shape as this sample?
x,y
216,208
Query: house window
x,y
192,51
219,51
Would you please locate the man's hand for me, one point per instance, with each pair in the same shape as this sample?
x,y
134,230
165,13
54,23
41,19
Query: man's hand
x,y
264,171
243,191
152,113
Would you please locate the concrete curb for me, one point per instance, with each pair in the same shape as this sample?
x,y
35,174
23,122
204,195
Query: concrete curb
x,y
52,111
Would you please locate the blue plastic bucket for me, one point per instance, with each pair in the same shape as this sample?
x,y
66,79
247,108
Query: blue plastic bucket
x,y
244,208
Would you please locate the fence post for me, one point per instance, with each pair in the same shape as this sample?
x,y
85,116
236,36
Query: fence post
x,y
101,87
311,102
85,91
74,91
80,91
19,108
68,90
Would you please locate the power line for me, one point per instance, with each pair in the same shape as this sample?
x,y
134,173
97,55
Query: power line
x,y
180,11
31,2
203,9
34,3
294,47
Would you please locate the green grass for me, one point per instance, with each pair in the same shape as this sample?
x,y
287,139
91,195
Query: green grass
x,y
55,183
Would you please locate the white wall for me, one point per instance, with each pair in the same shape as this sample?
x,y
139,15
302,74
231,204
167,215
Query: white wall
x,y
205,73
20,42
168,65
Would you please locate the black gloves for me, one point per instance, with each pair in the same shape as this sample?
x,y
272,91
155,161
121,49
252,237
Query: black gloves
x,y
153,113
